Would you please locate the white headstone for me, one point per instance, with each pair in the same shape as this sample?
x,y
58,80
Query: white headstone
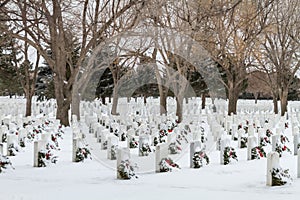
x,y
274,141
75,146
123,154
104,135
112,146
12,139
161,152
144,140
35,153
234,130
224,143
272,162
37,146
295,130
194,146
296,143
251,130
252,142
298,170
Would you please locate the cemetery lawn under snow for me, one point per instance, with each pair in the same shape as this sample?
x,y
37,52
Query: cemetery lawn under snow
x,y
94,180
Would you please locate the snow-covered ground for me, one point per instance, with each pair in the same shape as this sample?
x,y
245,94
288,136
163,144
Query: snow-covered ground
x,y
93,179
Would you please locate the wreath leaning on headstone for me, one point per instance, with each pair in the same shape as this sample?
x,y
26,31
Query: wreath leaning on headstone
x,y
199,158
174,148
243,142
45,157
280,148
229,155
126,170
280,176
167,165
145,149
13,149
82,154
133,143
4,163
257,152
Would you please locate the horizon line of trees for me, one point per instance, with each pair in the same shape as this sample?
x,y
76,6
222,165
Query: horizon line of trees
x,y
236,37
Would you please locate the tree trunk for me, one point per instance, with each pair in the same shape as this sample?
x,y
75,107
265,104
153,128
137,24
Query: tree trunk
x,y
232,101
275,103
163,103
28,105
256,97
114,103
179,108
103,100
62,113
76,106
283,101
203,101
63,99
145,99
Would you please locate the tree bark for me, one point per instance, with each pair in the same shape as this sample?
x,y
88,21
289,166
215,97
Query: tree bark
x,y
179,108
275,103
203,100
63,99
76,106
28,105
163,103
62,113
114,103
283,101
256,97
232,101
103,100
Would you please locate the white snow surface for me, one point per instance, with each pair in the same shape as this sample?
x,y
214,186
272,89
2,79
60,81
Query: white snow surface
x,y
94,180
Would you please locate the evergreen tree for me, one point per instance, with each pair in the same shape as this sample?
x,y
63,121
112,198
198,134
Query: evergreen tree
x,y
44,83
105,85
9,84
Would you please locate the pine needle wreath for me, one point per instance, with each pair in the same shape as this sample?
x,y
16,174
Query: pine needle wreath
x,y
280,176
133,143
45,157
257,152
243,142
174,148
264,141
4,163
280,148
82,154
167,165
199,158
229,155
145,149
126,170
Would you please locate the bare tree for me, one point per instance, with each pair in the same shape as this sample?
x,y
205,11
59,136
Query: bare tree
x,y
27,75
61,23
258,84
228,31
281,47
